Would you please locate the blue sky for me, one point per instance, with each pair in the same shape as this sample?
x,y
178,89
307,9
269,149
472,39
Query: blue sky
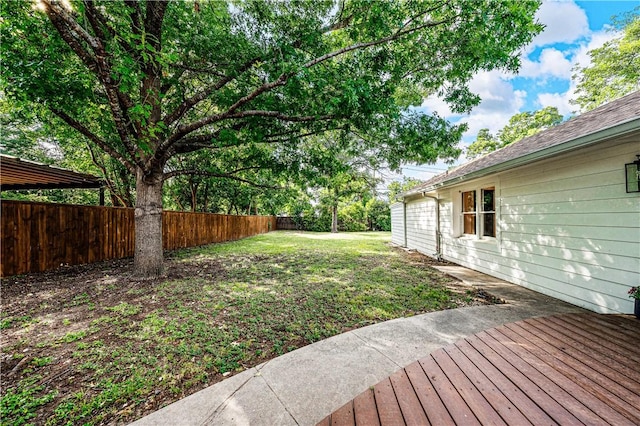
x,y
572,29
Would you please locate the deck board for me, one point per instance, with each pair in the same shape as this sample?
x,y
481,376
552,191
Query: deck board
x,y
610,336
592,381
510,389
563,369
503,407
410,406
591,352
388,408
452,400
344,415
572,383
614,354
617,381
366,412
435,410
470,394
542,391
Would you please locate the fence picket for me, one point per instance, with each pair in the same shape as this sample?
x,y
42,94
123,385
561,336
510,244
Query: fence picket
x,y
37,237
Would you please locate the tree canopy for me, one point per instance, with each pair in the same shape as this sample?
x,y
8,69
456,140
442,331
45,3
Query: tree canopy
x,y
152,82
615,67
395,188
520,126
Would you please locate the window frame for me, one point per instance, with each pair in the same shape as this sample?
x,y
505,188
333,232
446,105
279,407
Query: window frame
x,y
483,214
480,213
472,214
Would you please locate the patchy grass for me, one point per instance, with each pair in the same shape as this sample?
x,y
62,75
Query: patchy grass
x,y
91,345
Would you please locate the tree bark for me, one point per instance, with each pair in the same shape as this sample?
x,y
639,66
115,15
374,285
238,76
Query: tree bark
x,y
334,218
148,256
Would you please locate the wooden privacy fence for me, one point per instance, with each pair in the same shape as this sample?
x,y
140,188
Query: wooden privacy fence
x,y
286,223
37,237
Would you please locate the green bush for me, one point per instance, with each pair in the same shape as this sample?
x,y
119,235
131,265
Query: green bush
x,y
374,215
378,215
352,218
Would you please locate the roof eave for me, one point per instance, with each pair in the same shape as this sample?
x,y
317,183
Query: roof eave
x,y
618,130
71,185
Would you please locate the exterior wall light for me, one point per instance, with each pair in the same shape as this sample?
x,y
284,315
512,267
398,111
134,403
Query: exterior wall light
x,y
632,174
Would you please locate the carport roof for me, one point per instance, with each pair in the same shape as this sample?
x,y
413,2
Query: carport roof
x,y
16,173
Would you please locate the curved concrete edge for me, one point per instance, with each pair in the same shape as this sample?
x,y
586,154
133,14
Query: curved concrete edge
x,y
303,386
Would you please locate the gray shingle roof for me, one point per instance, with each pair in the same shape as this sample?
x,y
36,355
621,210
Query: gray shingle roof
x,y
625,110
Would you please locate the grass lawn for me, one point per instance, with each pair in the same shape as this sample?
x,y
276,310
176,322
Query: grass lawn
x,y
91,345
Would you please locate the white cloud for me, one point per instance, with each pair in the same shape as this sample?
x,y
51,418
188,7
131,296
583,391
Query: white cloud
x,y
543,81
434,104
558,100
496,92
552,63
499,102
564,22
580,58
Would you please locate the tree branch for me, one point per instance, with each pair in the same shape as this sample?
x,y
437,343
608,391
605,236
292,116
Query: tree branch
x,y
187,104
282,137
56,9
281,81
165,87
110,184
153,21
135,16
72,33
201,141
209,70
136,28
423,13
243,114
203,173
278,115
98,24
95,19
359,46
95,139
95,15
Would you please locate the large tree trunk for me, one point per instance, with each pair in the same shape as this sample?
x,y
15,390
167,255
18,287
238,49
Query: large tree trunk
x,y
334,218
148,259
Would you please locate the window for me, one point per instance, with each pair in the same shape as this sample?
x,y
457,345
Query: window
x,y
479,218
469,212
488,212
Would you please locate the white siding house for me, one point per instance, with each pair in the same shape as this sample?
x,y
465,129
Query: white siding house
x,y
550,212
397,224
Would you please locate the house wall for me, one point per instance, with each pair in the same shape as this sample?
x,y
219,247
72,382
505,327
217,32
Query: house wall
x,y
421,226
397,224
565,227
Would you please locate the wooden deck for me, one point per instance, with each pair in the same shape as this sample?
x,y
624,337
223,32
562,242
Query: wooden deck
x,y
567,369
